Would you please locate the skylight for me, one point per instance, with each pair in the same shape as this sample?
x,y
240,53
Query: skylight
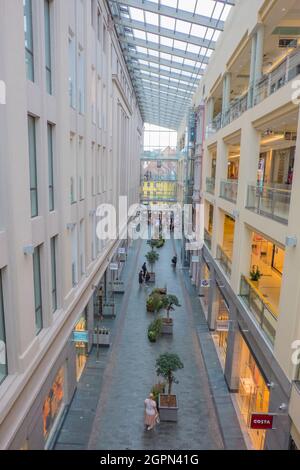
x,y
174,39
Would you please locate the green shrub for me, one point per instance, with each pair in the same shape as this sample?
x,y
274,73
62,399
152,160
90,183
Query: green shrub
x,y
154,329
157,389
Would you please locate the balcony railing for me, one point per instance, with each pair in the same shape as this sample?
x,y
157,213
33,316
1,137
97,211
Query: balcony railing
x,y
157,178
273,203
286,71
210,185
207,238
224,261
236,109
228,190
261,310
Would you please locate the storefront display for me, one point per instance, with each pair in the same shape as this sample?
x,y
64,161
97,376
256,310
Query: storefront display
x,y
53,403
253,395
81,346
220,335
204,291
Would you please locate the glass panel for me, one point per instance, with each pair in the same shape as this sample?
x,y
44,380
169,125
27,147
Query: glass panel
x,y
53,273
27,5
32,166
3,356
37,290
50,167
48,45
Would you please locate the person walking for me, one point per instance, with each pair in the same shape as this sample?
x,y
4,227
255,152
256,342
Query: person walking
x,y
141,277
144,268
151,413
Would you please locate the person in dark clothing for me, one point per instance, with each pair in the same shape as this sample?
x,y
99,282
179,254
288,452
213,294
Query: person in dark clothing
x,y
174,261
144,269
141,277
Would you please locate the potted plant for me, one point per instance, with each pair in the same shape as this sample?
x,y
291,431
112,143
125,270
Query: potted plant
x,y
169,301
255,275
158,389
154,330
166,365
154,303
152,256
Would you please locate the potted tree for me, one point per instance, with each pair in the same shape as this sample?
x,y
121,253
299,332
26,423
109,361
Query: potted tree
x,y
154,302
154,330
255,275
166,365
152,256
169,301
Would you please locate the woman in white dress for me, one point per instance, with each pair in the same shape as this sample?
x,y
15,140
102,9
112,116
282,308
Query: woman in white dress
x,y
151,412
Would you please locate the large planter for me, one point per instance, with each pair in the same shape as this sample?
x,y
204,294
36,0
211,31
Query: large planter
x,y
152,278
101,339
167,328
109,310
168,407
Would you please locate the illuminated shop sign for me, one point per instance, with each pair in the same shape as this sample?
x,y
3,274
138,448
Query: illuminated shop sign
x,y
261,421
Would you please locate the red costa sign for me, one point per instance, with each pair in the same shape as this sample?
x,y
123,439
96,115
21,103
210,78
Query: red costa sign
x,y
261,421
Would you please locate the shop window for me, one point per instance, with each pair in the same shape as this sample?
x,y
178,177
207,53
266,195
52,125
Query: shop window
x,y
53,403
253,395
81,346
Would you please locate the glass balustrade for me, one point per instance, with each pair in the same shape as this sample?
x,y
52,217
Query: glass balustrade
x,y
228,190
207,238
210,185
260,309
224,261
271,202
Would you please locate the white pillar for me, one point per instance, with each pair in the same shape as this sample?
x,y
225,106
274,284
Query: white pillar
x,y
252,71
259,56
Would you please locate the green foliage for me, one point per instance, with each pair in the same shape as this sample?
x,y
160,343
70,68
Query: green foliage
x,y
154,330
152,257
255,273
166,365
169,301
157,389
154,302
157,243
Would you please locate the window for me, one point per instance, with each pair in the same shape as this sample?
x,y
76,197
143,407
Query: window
x,y
81,82
53,404
82,248
93,95
72,72
50,167
81,169
37,290
104,39
47,11
53,244
74,257
99,24
27,5
32,166
94,241
93,13
3,356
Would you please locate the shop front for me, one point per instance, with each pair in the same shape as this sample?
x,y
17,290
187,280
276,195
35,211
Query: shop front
x,y
253,394
220,335
204,287
80,336
53,405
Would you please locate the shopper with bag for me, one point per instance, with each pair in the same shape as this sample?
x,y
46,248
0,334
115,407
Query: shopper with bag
x,y
151,413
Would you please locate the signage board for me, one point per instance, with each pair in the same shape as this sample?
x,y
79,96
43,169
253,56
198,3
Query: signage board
x,y
114,266
205,283
222,325
261,421
81,336
195,259
122,251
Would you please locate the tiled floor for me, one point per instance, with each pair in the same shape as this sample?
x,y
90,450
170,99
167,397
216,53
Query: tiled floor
x,y
206,419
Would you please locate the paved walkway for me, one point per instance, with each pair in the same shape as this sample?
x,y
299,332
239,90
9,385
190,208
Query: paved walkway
x,y
206,417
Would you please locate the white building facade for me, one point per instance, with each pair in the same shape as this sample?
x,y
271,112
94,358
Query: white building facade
x,y
71,136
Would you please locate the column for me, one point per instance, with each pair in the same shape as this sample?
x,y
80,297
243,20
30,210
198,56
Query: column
x,y
213,300
252,71
226,93
259,56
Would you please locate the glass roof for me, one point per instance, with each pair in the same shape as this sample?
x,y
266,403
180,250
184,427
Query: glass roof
x,y
167,45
